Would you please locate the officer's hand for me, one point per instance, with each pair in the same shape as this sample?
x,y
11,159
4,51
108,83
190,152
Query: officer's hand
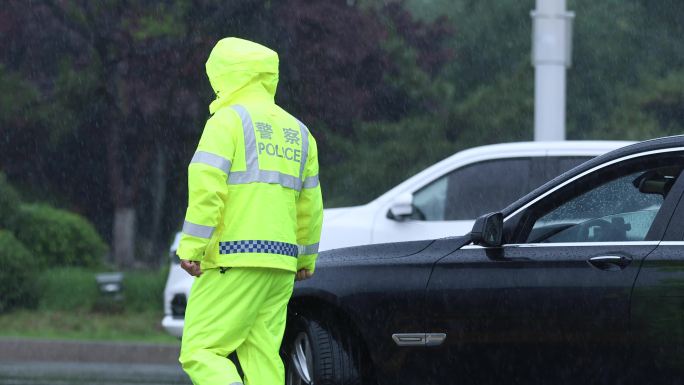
x,y
303,274
192,267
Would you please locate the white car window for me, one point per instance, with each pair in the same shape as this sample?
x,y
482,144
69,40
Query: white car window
x,y
429,202
473,190
487,186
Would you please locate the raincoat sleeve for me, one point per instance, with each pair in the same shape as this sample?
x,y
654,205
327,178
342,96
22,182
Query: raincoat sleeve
x,y
207,188
309,212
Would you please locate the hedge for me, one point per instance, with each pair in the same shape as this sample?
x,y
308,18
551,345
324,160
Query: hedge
x,y
58,237
68,289
75,289
144,290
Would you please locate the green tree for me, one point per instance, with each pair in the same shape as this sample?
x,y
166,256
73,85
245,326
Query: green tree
x,y
9,204
650,109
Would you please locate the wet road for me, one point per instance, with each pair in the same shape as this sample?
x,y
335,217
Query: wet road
x,y
53,362
72,373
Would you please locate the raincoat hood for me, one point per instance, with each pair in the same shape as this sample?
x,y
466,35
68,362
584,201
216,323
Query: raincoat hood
x,y
237,68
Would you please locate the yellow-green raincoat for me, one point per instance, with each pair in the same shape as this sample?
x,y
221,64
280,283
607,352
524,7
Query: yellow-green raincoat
x,y
254,206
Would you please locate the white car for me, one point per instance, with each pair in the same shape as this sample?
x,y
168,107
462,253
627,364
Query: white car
x,y
176,292
442,200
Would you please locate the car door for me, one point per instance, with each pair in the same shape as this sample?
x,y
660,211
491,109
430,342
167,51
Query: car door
x,y
657,310
553,302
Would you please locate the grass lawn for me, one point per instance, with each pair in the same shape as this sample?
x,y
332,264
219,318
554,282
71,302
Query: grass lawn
x,y
144,326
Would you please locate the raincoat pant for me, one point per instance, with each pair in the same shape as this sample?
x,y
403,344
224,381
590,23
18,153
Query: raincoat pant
x,y
243,309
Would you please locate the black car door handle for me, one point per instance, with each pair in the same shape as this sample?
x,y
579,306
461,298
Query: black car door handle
x,y
610,262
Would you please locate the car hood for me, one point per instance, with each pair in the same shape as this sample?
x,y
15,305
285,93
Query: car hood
x,y
350,255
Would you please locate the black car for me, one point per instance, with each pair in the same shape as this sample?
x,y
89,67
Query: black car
x,y
581,281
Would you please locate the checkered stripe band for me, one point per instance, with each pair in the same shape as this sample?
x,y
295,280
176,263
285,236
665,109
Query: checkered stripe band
x,y
269,247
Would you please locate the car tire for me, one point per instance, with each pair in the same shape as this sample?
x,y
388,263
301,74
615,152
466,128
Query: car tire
x,y
322,353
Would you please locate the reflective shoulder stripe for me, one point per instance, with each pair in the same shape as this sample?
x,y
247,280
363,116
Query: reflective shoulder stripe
x,y
308,249
196,230
310,182
253,174
213,160
251,158
305,148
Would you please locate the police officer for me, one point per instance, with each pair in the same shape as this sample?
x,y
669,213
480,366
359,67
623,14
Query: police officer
x,y
253,221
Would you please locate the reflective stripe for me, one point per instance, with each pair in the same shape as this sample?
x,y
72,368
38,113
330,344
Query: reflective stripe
x,y
251,157
266,176
310,182
308,249
253,174
197,230
213,160
305,148
256,246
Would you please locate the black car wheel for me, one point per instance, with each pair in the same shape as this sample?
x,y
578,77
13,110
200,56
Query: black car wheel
x,y
321,353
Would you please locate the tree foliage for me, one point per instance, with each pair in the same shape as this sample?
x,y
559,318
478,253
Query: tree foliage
x,y
17,276
119,97
9,204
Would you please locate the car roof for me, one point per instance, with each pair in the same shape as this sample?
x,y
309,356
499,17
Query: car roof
x,y
546,147
635,148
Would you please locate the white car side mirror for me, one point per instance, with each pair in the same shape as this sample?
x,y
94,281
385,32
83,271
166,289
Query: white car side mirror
x,y
402,206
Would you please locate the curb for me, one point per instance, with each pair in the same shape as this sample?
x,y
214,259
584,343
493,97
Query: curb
x,y
26,350
64,373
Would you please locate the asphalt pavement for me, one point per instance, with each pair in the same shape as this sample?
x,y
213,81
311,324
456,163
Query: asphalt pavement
x,y
43,362
80,373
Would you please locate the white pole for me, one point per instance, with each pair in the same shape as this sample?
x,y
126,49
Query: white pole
x,y
551,53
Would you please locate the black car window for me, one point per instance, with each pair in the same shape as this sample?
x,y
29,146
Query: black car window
x,y
617,204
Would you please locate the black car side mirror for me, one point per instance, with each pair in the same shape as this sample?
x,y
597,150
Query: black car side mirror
x,y
488,230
